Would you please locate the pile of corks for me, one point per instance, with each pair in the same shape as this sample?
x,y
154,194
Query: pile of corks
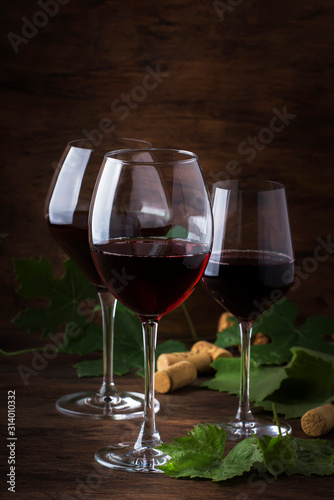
x,y
179,369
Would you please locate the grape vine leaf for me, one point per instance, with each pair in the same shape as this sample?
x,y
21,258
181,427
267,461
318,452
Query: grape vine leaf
x,y
177,232
306,382
91,368
309,383
297,456
94,367
79,327
82,340
263,379
201,454
128,347
36,279
279,323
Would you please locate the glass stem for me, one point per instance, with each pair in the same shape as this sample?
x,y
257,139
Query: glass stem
x,y
244,413
148,435
108,389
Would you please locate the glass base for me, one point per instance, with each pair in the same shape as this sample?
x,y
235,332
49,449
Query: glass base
x,y
91,405
129,459
237,430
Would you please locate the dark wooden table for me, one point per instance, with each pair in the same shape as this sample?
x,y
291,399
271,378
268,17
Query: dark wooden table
x,y
55,453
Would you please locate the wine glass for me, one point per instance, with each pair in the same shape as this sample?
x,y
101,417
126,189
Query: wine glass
x,y
66,213
160,211
250,268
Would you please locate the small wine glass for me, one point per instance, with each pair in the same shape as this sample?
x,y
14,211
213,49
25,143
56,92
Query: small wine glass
x,y
250,268
160,210
66,213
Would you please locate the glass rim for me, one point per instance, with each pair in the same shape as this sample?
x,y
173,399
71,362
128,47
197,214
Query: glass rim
x,y
259,185
90,140
189,156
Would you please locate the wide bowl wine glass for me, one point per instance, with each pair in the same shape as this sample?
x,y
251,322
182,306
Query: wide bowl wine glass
x,y
160,211
66,213
250,268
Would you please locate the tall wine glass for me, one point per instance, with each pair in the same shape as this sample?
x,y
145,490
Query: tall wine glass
x,y
66,213
160,211
250,268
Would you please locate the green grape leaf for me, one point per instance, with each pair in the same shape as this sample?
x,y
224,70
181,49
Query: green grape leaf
x,y
297,456
309,383
89,368
36,279
80,327
263,379
128,341
306,382
128,347
230,336
242,458
177,232
82,340
201,454
122,363
278,323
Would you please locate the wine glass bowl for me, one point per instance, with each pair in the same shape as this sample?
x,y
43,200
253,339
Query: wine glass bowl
x,y
150,228
66,213
250,268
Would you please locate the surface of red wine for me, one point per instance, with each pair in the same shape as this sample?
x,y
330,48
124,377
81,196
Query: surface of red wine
x,y
151,276
73,239
248,282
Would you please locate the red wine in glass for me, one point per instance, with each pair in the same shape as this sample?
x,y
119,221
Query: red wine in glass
x,y
151,276
240,279
73,239
66,214
250,268
159,206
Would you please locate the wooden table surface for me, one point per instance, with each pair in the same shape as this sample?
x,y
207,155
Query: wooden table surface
x,y
55,453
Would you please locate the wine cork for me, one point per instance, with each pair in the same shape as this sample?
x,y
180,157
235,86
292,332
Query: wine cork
x,y
174,377
223,322
213,350
201,360
260,339
318,421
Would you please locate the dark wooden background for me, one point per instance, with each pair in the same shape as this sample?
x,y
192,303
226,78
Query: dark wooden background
x,y
225,70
